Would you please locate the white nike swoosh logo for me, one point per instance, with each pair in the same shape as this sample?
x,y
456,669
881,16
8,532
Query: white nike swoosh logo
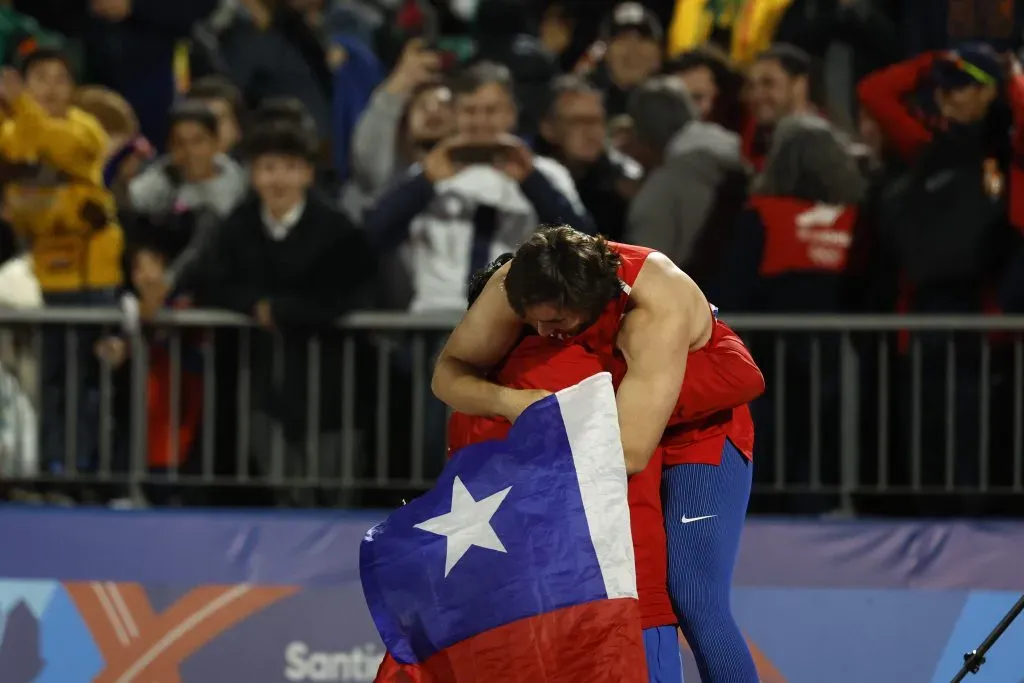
x,y
687,520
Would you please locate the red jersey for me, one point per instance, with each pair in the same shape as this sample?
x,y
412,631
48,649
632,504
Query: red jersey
x,y
721,373
540,363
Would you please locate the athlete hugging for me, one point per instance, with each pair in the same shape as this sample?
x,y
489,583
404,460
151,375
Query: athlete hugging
x,y
567,306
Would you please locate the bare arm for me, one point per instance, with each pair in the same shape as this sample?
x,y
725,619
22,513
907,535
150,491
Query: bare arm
x,y
481,340
670,317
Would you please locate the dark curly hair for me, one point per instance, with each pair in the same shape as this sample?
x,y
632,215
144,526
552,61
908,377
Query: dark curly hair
x,y
479,279
280,137
564,267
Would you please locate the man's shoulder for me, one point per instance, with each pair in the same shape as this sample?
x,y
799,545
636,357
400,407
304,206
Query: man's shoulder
x,y
557,174
228,166
552,168
321,208
630,251
661,186
151,186
659,280
624,165
245,214
706,149
234,26
333,227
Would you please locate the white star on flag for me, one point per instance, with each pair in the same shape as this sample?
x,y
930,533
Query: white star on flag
x,y
468,524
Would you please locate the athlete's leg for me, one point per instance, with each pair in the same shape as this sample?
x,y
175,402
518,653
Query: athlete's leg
x,y
664,660
705,507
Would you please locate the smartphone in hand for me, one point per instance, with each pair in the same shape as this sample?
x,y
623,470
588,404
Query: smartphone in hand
x,y
484,153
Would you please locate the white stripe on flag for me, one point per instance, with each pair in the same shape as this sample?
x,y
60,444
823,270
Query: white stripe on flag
x,y
592,425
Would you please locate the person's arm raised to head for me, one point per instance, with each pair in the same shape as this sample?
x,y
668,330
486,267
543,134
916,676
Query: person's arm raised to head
x,y
481,340
670,316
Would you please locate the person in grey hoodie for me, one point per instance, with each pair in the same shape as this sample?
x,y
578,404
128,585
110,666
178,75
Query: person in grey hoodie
x,y
188,191
408,114
696,181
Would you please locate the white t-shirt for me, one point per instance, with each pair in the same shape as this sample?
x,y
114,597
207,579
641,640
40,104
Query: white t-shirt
x,y
441,237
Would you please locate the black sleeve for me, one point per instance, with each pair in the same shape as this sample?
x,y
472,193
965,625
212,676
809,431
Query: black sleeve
x,y
387,221
552,206
8,242
340,277
182,273
871,279
1011,292
219,268
735,287
175,18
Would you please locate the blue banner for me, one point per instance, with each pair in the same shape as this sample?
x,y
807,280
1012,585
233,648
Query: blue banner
x,y
96,596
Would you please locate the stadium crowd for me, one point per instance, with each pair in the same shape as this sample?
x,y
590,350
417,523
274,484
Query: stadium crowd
x,y
295,160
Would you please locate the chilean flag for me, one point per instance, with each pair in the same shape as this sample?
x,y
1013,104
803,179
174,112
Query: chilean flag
x,y
518,565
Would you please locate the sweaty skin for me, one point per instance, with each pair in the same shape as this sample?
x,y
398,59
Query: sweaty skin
x,y
668,317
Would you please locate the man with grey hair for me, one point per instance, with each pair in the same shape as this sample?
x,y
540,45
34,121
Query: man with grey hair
x,y
696,180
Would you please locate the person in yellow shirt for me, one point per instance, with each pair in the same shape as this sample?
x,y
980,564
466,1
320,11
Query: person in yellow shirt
x,y
60,208
65,214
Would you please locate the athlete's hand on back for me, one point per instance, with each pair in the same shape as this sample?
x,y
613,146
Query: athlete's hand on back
x,y
520,399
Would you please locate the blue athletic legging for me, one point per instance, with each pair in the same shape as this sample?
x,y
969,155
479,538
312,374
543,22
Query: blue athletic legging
x,y
664,659
705,507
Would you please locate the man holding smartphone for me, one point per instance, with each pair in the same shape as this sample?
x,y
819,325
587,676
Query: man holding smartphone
x,y
477,194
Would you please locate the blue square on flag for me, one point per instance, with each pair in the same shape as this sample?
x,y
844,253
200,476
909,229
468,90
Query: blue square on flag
x,y
513,529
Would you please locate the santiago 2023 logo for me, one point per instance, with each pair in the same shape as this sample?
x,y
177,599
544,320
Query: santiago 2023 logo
x,y
355,666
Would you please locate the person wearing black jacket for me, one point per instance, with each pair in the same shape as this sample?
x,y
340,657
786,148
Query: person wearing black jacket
x,y
294,263
573,131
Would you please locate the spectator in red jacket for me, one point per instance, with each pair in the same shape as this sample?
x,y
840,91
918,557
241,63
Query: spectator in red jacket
x,y
952,111
940,240
913,100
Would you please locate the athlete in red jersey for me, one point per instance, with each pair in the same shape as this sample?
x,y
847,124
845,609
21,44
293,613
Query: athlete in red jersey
x,y
644,318
538,363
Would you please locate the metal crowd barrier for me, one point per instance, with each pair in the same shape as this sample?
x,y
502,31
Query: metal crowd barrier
x,y
855,404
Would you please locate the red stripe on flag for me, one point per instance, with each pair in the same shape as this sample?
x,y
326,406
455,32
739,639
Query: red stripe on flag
x,y
597,642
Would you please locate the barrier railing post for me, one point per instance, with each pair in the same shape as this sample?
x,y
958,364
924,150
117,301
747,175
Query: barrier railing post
x,y
849,407
139,423
909,394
